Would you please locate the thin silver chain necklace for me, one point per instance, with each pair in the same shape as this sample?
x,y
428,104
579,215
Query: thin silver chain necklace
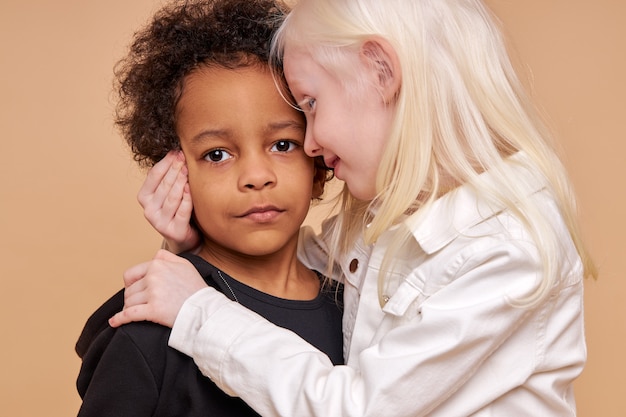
x,y
226,283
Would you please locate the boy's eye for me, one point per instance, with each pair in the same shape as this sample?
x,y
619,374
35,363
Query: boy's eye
x,y
311,103
217,155
283,146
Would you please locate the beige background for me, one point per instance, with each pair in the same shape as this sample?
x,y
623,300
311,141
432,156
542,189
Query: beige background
x,y
70,224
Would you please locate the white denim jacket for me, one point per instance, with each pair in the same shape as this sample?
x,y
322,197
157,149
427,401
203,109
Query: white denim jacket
x,y
447,343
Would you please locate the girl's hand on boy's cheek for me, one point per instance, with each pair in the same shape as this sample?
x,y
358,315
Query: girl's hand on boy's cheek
x,y
156,290
166,202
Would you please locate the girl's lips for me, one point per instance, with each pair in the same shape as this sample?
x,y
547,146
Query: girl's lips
x,y
334,164
331,162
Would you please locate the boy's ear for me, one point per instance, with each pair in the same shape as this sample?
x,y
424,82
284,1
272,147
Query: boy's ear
x,y
380,57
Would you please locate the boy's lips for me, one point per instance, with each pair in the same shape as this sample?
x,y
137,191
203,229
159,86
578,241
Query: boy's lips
x,y
262,213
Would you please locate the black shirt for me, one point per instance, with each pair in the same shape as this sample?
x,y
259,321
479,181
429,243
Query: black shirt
x,y
131,371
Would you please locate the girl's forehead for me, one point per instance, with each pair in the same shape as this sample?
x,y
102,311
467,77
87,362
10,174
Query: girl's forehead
x,y
295,69
299,63
292,55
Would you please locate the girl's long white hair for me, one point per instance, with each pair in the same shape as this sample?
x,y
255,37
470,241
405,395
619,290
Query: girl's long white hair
x,y
461,110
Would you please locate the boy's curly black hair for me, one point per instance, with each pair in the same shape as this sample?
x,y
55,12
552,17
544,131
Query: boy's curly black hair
x,y
180,37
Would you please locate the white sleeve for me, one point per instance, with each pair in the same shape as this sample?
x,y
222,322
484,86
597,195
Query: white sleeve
x,y
414,368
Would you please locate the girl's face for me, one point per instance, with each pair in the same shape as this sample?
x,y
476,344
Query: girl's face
x,y
250,179
350,130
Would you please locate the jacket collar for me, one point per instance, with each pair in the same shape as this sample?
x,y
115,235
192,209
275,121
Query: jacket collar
x,y
461,209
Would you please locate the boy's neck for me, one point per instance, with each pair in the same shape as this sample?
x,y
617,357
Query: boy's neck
x,y
279,274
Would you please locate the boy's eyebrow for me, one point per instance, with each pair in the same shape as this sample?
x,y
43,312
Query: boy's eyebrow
x,y
272,127
286,124
209,133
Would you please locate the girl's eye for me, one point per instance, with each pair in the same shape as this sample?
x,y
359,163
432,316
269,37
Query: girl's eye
x,y
217,155
283,146
307,104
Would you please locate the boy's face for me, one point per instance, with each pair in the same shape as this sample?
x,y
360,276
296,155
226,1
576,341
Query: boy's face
x,y
250,180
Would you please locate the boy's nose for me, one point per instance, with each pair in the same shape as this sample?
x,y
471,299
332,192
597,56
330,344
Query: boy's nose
x,y
257,173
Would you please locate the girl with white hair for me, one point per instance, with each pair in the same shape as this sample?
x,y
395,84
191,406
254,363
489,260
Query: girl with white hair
x,y
456,239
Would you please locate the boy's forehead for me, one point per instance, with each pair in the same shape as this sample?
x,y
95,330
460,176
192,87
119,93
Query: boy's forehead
x,y
221,103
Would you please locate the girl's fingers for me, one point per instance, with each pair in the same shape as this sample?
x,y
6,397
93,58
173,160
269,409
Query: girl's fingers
x,y
135,274
164,188
156,290
155,176
185,208
135,313
135,298
172,201
170,257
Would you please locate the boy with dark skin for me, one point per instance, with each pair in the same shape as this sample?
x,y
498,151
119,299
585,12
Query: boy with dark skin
x,y
197,79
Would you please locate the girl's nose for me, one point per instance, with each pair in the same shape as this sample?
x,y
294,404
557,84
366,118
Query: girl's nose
x,y
311,147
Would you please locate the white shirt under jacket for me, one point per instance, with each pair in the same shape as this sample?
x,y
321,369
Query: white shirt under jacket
x,y
447,343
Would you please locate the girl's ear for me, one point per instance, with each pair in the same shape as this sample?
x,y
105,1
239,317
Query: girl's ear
x,y
381,58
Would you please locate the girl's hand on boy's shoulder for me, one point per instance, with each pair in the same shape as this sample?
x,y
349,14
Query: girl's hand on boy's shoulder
x,y
156,290
166,202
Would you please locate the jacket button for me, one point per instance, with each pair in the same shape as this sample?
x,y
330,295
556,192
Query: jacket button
x,y
354,264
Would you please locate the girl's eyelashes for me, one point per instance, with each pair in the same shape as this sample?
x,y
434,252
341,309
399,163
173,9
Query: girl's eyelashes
x,y
307,104
216,155
311,103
